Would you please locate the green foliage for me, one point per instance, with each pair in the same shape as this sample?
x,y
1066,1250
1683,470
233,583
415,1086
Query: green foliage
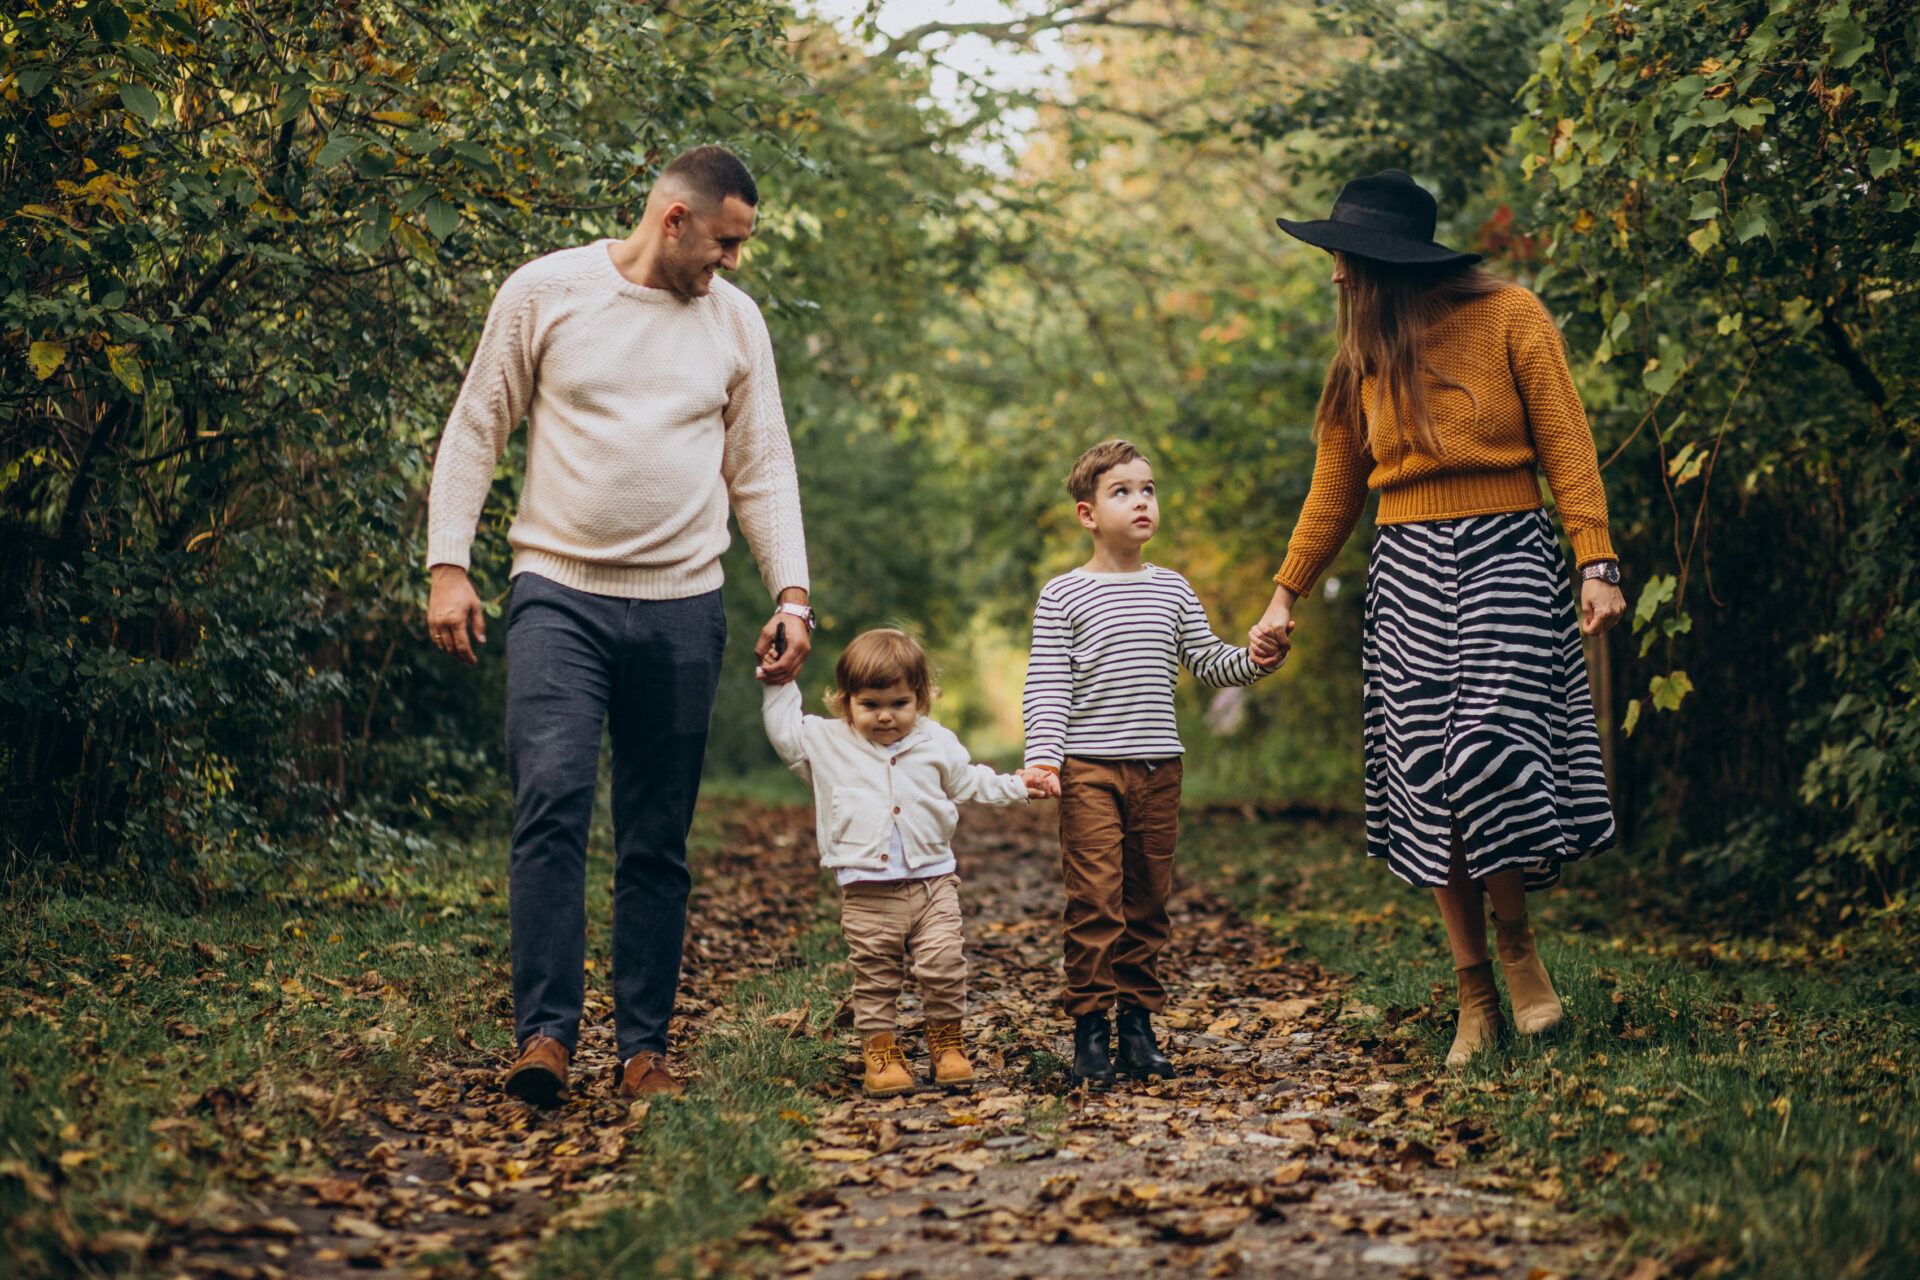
x,y
1717,203
246,247
1728,212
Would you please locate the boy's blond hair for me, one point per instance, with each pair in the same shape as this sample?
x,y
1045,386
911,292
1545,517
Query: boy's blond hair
x,y
877,659
1083,482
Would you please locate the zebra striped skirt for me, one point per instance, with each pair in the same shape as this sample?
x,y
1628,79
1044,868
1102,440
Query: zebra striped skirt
x,y
1478,716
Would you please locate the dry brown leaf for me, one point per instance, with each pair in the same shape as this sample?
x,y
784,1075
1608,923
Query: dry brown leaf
x,y
1290,1173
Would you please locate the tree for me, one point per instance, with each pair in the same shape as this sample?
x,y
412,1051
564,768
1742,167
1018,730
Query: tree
x,y
246,246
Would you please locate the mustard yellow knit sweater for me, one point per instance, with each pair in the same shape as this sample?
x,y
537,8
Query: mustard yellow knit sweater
x,y
1523,416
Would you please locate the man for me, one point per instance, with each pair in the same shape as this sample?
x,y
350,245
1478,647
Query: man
x,y
651,400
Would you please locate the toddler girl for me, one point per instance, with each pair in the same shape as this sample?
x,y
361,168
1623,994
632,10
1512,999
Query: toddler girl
x,y
885,781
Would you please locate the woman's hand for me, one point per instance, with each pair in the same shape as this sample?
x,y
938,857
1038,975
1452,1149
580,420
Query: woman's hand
x,y
1272,636
1601,605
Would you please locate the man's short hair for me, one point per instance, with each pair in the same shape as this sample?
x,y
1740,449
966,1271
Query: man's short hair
x,y
713,174
1084,480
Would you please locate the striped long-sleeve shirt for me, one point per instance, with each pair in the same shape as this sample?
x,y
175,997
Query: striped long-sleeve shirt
x,y
1107,649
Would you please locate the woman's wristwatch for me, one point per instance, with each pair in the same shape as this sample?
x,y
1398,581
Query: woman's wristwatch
x,y
805,612
1608,571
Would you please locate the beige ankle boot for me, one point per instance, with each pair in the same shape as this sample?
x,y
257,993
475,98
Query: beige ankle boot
x,y
1536,1006
886,1066
1479,1013
948,1049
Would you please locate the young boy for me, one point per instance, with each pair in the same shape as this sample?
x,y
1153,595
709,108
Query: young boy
x,y
1108,640
886,779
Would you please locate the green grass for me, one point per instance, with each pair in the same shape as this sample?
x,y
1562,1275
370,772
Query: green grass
x,y
159,1063
160,1059
1745,1103
720,1159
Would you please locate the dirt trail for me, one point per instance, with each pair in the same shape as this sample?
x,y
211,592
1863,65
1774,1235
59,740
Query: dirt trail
x,y
1275,1154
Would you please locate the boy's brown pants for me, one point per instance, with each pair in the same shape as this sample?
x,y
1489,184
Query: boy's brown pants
x,y
1118,823
887,921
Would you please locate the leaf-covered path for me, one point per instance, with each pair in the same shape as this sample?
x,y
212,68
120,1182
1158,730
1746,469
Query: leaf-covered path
x,y
1279,1152
1282,1149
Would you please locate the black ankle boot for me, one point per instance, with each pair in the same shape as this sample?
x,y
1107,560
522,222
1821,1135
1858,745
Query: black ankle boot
x,y
1140,1057
1092,1049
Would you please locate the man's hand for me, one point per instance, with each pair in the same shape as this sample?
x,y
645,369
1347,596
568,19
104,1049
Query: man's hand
x,y
1041,783
452,607
782,669
1601,605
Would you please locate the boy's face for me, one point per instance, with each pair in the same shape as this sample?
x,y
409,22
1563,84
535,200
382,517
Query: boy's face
x,y
884,716
1124,511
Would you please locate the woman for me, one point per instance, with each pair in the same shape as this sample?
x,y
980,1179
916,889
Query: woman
x,y
1448,393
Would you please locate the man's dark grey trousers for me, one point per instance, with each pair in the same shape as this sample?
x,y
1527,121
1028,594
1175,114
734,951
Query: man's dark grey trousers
x,y
648,670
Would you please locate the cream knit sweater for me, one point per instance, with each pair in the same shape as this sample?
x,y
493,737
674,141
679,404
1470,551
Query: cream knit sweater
x,y
645,413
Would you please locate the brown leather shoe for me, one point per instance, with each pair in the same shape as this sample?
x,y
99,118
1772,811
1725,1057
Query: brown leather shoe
x,y
540,1076
886,1066
646,1076
951,1070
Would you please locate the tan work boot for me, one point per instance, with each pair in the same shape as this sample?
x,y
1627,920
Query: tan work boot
x,y
951,1070
1479,1013
887,1072
1536,1006
540,1076
645,1075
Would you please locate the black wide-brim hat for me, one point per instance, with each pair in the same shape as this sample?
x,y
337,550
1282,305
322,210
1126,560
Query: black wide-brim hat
x,y
1388,218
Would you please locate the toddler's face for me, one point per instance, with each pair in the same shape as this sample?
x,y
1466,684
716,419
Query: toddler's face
x,y
883,716
1125,509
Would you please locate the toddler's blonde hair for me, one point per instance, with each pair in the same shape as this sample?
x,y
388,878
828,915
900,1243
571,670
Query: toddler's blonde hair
x,y
876,659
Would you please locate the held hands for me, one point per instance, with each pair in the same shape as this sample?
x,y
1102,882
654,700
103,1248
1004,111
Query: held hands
x,y
783,645
453,606
1041,783
1268,644
1272,637
1601,605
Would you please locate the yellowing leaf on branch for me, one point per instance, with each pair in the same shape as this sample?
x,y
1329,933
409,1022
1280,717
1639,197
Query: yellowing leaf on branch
x,y
45,357
1668,691
126,367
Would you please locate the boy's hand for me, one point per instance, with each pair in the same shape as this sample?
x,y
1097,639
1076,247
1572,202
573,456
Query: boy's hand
x,y
1268,645
1041,783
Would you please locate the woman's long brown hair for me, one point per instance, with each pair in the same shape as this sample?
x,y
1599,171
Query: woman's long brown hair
x,y
1385,313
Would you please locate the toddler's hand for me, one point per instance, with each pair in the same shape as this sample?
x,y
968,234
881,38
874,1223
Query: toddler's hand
x,y
1041,783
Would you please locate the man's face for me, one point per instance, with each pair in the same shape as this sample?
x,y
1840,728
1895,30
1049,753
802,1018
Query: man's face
x,y
1124,510
703,243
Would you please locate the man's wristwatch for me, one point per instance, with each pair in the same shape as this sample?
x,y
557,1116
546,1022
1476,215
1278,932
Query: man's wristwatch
x,y
800,611
1607,571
